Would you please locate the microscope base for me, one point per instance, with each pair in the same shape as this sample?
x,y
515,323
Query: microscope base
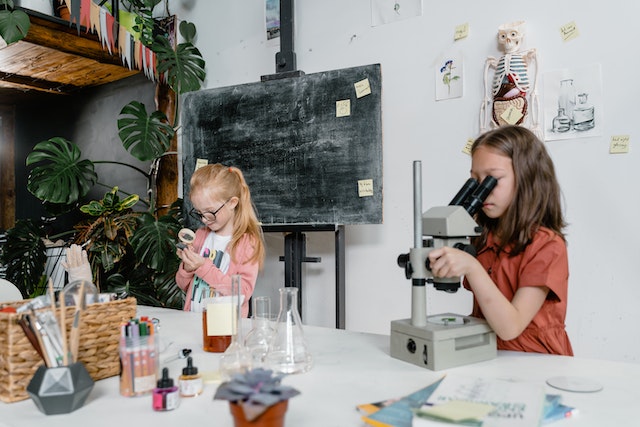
x,y
439,345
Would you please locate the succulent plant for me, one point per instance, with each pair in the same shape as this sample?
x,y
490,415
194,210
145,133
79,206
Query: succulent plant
x,y
256,390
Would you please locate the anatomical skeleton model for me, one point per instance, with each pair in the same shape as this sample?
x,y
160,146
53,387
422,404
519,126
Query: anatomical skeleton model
x,y
513,93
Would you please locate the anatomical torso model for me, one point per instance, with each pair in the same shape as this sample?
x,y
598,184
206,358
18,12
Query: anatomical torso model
x,y
511,97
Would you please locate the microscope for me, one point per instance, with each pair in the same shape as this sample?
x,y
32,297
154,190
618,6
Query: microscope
x,y
444,340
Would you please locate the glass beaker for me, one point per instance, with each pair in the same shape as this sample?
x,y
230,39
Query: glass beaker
x,y
257,340
236,358
288,352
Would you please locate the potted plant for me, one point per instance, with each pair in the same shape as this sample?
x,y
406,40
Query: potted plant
x,y
256,398
130,247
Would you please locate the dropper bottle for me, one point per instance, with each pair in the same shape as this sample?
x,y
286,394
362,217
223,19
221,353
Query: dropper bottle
x,y
166,396
190,381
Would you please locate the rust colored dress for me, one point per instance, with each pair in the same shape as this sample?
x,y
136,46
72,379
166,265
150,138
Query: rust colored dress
x,y
544,262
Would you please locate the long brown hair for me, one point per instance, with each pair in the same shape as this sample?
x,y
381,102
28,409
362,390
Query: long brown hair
x,y
226,182
537,197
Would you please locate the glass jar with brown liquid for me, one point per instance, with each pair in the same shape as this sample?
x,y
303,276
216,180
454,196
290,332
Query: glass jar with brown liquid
x,y
217,329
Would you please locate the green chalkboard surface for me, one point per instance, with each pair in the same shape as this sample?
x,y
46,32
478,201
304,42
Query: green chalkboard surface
x,y
308,157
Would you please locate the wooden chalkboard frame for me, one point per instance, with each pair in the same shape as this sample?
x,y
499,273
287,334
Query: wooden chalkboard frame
x,y
303,163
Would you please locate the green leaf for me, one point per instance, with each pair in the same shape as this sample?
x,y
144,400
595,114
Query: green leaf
x,y
188,31
14,25
58,175
154,241
128,202
24,255
145,137
184,66
93,208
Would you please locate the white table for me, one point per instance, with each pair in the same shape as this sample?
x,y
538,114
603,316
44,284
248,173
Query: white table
x,y
349,368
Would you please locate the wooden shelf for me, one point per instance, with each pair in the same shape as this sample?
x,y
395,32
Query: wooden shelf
x,y
56,58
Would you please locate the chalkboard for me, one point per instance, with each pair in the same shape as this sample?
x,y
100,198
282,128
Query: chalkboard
x,y
304,162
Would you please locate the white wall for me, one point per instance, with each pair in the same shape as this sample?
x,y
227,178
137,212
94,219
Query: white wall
x,y
601,200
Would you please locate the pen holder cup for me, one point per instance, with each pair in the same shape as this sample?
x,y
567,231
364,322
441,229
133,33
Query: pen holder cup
x,y
60,390
140,365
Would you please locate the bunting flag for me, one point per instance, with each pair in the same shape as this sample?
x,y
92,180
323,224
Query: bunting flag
x,y
103,35
114,35
110,33
85,13
94,18
74,9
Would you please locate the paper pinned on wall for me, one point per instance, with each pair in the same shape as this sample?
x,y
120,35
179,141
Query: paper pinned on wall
x,y
363,88
573,103
569,31
272,21
385,11
619,144
365,187
461,32
467,147
200,163
343,108
448,77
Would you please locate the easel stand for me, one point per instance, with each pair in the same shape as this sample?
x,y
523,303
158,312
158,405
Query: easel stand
x,y
295,253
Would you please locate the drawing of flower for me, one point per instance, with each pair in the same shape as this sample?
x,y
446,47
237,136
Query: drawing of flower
x,y
447,74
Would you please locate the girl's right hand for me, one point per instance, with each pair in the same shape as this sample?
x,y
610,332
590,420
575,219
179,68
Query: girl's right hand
x,y
451,262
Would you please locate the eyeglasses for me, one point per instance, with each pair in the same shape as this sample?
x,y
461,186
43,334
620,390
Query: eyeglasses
x,y
206,216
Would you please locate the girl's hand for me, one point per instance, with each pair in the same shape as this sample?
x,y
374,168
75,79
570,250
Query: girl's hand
x,y
191,260
451,262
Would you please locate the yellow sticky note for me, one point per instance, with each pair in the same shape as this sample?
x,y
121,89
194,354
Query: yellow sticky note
x,y
467,147
365,187
569,31
362,88
458,410
200,163
619,144
343,108
461,32
511,115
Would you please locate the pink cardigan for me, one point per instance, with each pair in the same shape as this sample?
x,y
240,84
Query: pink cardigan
x,y
213,276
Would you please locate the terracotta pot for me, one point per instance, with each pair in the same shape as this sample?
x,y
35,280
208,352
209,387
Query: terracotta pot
x,y
272,417
62,10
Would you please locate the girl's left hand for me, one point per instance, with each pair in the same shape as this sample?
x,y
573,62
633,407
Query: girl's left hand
x,y
451,262
191,260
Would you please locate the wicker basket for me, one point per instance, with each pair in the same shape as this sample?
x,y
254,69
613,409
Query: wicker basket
x,y
98,348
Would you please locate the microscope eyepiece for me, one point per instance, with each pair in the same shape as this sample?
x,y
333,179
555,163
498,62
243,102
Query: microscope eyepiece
x,y
474,202
464,193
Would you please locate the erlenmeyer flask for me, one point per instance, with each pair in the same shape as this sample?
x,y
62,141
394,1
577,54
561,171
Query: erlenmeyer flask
x,y
288,350
257,340
236,359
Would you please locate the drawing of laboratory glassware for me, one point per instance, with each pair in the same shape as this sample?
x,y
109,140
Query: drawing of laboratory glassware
x,y
567,99
561,122
583,114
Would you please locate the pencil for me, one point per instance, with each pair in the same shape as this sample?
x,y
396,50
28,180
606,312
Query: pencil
x,y
63,330
52,296
74,340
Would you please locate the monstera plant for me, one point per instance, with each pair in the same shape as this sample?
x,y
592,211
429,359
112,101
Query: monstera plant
x,y
130,246
14,24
